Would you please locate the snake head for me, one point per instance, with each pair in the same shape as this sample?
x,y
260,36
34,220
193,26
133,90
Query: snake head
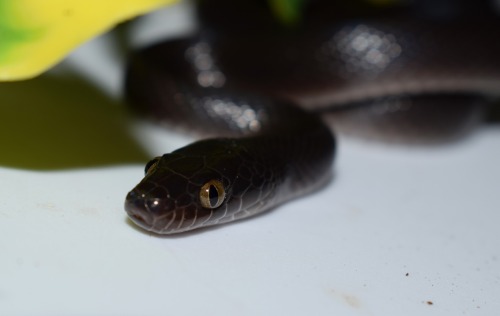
x,y
192,188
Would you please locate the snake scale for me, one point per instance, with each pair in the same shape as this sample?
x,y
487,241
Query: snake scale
x,y
261,100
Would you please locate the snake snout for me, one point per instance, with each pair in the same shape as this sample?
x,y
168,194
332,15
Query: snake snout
x,y
136,208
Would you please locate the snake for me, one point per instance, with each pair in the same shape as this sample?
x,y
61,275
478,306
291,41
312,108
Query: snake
x,y
264,105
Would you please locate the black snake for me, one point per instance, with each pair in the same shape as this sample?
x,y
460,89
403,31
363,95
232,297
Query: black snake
x,y
420,80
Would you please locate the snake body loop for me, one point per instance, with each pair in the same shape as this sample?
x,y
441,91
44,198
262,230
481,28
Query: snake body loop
x,y
267,150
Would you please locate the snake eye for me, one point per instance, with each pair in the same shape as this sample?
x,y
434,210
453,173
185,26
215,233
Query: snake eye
x,y
151,164
212,194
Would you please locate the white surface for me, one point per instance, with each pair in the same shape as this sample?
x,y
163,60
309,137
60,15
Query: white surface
x,y
67,248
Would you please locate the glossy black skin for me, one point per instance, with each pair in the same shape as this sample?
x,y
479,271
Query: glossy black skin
x,y
291,151
280,151
437,74
258,173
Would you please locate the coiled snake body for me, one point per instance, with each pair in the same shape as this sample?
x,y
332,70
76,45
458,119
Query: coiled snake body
x,y
424,83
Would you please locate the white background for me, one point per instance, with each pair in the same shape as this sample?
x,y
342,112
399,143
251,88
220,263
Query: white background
x,y
396,229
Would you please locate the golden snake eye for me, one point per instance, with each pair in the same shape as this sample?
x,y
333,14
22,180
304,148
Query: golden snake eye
x,y
151,165
212,194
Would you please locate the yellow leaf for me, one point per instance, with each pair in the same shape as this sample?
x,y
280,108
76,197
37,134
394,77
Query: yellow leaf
x,y
36,34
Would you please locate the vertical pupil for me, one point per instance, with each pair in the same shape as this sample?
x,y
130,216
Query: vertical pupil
x,y
213,195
